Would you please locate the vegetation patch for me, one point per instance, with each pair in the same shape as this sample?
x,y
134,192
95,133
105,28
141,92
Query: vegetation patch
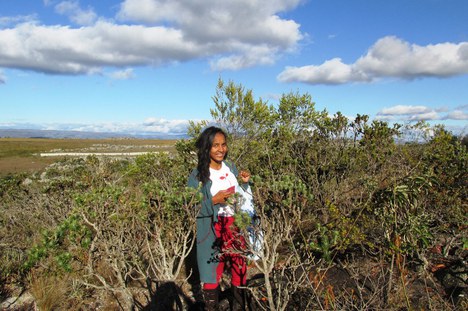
x,y
352,215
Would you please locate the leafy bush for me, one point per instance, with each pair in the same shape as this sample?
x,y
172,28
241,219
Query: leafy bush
x,y
367,202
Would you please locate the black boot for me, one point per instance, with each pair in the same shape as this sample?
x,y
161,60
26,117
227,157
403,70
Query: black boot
x,y
211,299
238,299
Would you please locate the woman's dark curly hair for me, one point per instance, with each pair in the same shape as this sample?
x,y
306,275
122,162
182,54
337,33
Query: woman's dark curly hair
x,y
204,144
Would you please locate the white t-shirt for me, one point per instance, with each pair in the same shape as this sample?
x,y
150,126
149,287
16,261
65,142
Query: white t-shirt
x,y
222,179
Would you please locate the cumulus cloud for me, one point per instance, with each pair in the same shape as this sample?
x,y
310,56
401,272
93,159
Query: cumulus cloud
x,y
231,34
212,20
404,110
76,14
389,57
457,115
333,71
427,116
421,113
63,50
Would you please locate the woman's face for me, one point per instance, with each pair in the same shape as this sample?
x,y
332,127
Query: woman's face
x,y
218,149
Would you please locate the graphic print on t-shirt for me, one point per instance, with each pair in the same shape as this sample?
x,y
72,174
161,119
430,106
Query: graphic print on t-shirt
x,y
223,179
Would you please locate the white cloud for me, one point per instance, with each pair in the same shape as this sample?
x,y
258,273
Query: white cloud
x,y
238,34
389,57
420,113
457,115
213,18
426,116
60,49
231,34
333,71
75,13
149,126
164,126
404,110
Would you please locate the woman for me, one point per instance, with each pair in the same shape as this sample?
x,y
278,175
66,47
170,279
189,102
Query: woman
x,y
217,237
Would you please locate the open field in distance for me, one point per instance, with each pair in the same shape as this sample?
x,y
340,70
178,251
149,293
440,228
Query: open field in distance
x,y
24,154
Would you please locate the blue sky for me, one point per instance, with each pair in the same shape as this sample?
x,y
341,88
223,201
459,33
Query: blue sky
x,y
149,66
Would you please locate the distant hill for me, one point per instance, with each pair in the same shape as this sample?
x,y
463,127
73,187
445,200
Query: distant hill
x,y
33,133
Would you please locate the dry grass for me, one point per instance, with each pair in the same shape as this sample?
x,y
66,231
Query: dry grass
x,y
49,292
12,165
21,154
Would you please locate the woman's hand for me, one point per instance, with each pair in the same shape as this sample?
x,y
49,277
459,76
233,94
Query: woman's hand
x,y
221,197
245,176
